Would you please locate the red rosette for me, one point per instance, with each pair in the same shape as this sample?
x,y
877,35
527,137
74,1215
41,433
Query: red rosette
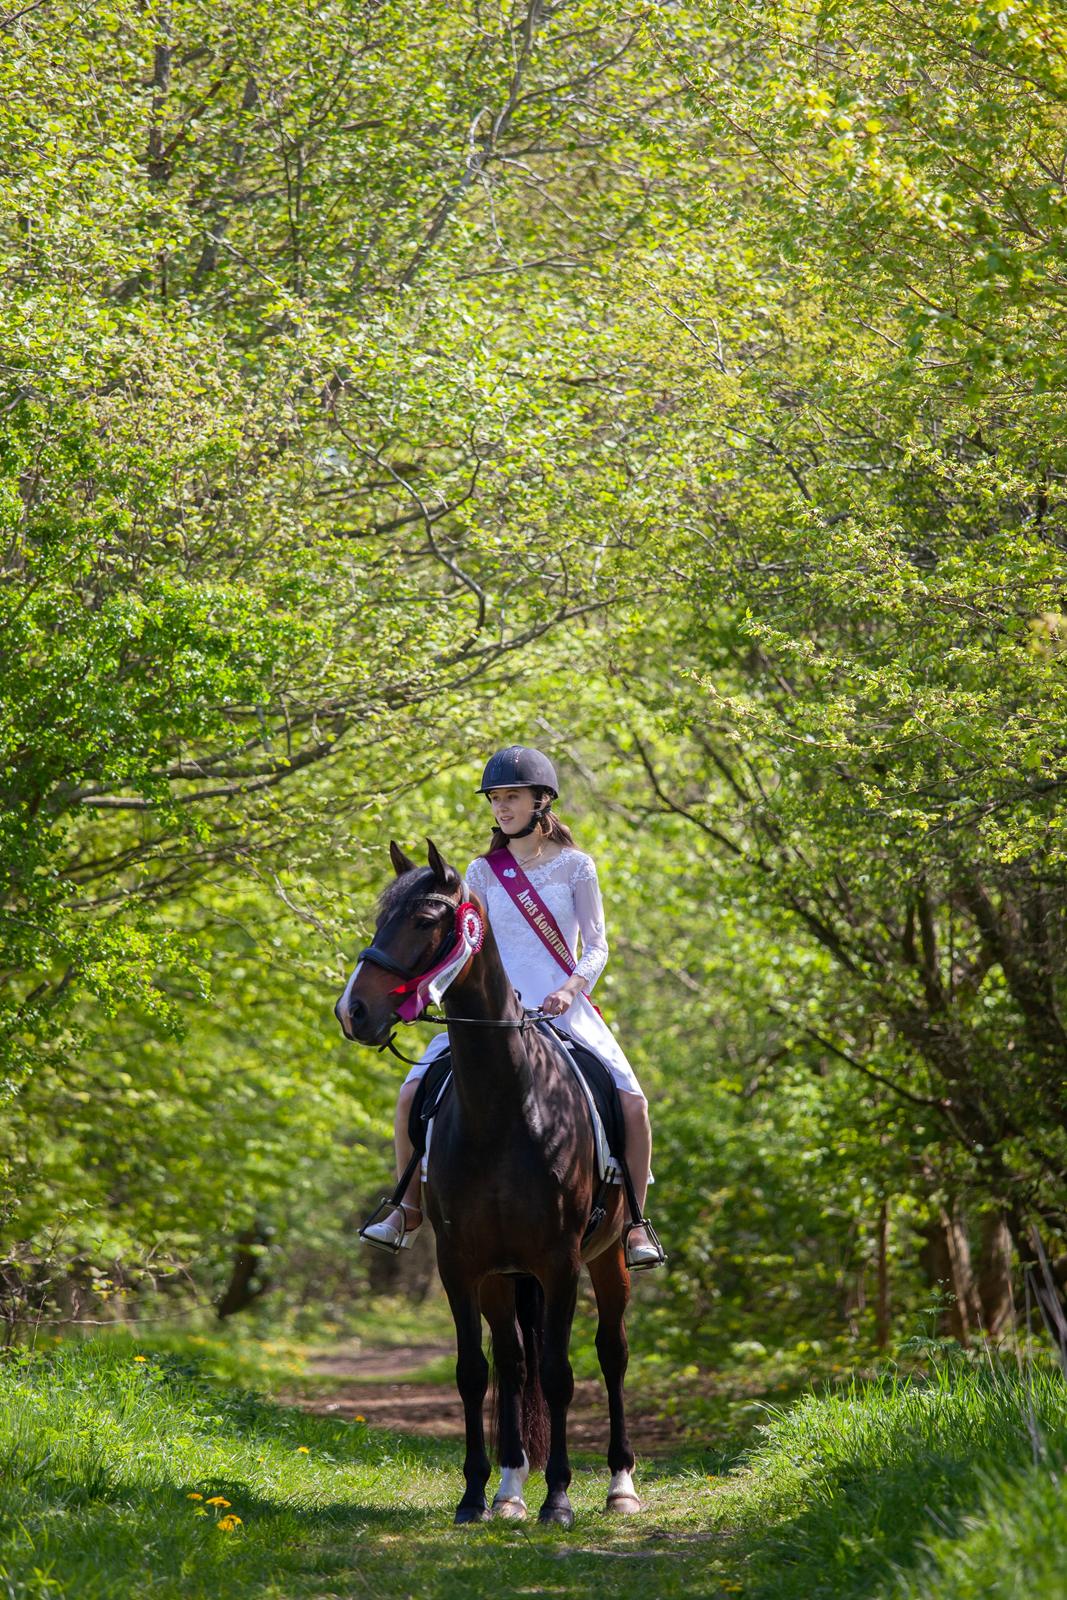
x,y
470,925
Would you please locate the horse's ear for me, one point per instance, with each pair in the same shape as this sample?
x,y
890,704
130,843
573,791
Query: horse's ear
x,y
441,870
400,861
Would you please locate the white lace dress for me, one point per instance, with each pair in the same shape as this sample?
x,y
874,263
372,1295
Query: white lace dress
x,y
568,887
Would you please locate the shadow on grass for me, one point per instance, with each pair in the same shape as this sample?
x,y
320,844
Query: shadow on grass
x,y
137,1541
126,1540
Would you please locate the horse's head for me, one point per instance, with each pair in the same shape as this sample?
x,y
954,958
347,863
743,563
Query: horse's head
x,y
415,929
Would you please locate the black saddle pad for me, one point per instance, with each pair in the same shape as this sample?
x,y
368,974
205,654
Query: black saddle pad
x,y
601,1087
435,1084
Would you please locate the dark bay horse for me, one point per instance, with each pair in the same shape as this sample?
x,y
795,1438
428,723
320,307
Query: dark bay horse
x,y
510,1186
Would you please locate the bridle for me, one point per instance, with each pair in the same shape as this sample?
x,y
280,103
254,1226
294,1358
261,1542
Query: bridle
x,y
381,958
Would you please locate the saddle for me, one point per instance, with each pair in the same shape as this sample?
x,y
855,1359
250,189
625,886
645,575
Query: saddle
x,y
434,1085
602,1097
596,1081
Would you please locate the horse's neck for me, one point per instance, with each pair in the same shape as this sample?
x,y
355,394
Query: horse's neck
x,y
490,1069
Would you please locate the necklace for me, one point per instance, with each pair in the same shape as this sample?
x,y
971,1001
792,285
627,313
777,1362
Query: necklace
x,y
525,861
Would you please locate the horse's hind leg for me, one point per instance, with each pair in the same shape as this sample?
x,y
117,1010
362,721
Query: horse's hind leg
x,y
509,1361
557,1380
611,1285
472,1380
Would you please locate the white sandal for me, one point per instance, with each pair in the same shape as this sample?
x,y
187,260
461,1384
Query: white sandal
x,y
385,1235
640,1257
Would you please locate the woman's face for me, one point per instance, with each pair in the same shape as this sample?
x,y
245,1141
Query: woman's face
x,y
512,808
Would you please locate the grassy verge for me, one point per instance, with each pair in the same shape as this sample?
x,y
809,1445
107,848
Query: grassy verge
x,y
893,1488
122,1463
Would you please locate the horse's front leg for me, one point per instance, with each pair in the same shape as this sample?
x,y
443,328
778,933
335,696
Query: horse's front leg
x,y
509,1359
557,1381
611,1285
472,1380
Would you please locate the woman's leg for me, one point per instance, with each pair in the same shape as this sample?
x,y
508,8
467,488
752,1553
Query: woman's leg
x,y
388,1231
642,1249
638,1142
404,1148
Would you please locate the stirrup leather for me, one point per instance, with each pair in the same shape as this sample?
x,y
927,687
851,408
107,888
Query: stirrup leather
x,y
406,1236
656,1260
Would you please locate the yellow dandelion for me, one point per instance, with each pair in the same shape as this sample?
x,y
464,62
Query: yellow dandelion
x,y
359,1419
302,1450
227,1524
140,1358
216,1500
194,1497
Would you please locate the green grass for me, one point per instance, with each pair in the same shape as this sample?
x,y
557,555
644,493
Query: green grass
x,y
896,1489
880,1490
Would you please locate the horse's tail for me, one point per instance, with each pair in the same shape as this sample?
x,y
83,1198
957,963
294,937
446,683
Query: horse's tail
x,y
533,1408
530,1310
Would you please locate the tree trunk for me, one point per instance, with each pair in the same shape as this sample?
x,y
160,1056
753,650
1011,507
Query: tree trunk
x,y
881,1310
994,1274
246,1283
946,1258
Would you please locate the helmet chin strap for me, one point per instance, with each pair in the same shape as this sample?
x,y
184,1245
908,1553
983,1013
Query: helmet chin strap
x,y
540,812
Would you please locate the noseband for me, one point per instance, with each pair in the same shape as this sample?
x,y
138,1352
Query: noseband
x,y
381,958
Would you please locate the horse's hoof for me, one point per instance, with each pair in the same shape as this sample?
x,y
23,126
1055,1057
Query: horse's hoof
x,y
511,1509
623,1505
622,1498
559,1516
471,1514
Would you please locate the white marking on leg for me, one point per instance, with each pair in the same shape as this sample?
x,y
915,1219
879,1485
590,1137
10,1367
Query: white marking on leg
x,y
622,1496
513,1480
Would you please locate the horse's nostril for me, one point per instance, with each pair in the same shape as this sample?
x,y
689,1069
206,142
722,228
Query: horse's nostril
x,y
349,1013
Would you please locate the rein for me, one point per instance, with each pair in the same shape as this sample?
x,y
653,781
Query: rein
x,y
522,1023
528,1016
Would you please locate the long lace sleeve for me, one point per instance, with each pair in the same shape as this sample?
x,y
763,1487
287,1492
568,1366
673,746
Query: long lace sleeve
x,y
590,911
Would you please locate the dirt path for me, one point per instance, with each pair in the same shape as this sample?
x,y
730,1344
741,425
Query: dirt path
x,y
376,1385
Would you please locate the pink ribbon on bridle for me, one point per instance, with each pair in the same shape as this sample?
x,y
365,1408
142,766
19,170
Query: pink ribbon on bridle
x,y
427,988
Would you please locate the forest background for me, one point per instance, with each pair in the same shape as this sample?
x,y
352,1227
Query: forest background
x,y
677,388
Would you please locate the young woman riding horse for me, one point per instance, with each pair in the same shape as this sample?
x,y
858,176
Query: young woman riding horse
x,y
511,1186
521,785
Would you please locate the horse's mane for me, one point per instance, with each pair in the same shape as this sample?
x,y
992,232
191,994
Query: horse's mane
x,y
401,894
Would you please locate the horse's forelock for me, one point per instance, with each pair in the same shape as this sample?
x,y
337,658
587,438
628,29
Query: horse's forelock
x,y
402,893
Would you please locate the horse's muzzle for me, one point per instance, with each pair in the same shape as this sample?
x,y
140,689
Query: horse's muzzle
x,y
357,1023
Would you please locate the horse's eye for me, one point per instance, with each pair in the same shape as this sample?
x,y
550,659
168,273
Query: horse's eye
x,y
429,916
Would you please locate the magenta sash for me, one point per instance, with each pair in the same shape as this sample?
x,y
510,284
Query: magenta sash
x,y
524,896
537,914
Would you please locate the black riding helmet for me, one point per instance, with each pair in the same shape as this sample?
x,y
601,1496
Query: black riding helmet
x,y
519,767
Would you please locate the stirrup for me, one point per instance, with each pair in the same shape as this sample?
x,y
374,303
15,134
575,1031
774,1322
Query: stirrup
x,y
383,1235
642,1257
